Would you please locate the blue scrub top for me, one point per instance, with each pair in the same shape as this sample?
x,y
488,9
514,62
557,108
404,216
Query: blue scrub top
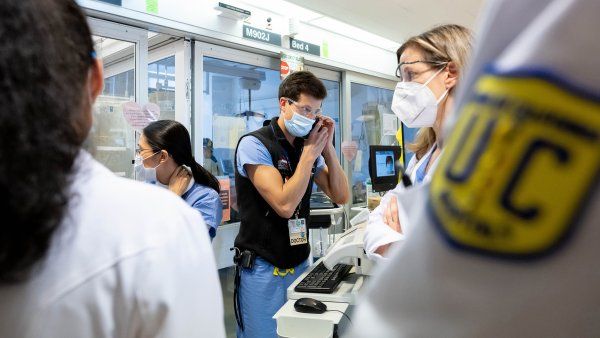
x,y
207,201
252,151
420,175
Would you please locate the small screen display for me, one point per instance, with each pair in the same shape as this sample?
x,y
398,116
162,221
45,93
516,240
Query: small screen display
x,y
384,161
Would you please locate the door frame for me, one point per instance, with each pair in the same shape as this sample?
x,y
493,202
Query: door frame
x,y
134,35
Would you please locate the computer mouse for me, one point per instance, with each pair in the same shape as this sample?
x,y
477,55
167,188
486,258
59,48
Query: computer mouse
x,y
309,305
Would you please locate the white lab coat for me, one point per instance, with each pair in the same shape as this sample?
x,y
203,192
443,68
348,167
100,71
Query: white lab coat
x,y
130,260
377,233
432,289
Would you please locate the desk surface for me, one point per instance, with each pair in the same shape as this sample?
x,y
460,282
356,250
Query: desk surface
x,y
291,323
346,292
327,211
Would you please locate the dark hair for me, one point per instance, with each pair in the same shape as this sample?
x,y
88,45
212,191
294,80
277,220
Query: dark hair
x,y
45,60
302,82
172,136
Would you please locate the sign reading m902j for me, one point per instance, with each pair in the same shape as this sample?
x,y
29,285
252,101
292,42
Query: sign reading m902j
x,y
261,35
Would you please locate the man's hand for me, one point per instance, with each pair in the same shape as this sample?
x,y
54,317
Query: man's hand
x,y
180,180
329,125
316,142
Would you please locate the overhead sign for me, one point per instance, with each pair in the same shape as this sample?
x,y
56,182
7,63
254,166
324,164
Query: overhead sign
x,y
114,2
152,6
290,64
234,9
261,35
305,47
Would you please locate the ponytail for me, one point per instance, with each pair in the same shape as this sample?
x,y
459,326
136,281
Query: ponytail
x,y
203,176
174,138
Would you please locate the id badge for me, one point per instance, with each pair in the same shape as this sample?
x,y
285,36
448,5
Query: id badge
x,y
297,227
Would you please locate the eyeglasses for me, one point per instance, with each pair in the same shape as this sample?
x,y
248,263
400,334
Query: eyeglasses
x,y
409,76
305,111
138,152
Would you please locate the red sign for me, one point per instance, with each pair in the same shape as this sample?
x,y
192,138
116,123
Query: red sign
x,y
225,196
285,69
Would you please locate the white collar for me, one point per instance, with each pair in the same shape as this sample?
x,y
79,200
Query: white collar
x,y
190,185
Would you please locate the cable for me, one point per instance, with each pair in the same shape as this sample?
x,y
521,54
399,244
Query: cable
x,y
345,315
345,225
346,221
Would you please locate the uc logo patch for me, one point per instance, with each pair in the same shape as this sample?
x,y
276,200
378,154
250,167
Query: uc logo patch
x,y
516,172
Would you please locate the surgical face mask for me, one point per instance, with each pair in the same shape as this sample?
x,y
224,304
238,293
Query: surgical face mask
x,y
298,125
144,174
415,104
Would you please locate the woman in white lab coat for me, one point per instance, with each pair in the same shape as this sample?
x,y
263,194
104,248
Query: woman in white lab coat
x,y
84,253
429,68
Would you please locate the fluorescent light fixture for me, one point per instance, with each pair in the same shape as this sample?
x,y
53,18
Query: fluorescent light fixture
x,y
353,32
285,9
318,20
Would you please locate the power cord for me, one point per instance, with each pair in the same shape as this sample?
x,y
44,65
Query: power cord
x,y
343,314
346,221
345,225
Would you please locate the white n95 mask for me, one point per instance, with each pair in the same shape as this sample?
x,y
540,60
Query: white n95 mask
x,y
415,104
298,125
144,174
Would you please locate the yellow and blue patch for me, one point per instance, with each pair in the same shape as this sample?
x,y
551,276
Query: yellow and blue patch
x,y
519,166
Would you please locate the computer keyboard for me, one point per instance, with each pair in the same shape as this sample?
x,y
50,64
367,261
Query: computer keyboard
x,y
321,280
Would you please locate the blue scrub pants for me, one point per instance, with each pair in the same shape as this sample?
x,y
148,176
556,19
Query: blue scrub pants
x,y
262,294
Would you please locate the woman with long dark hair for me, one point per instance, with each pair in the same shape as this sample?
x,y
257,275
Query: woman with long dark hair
x,y
164,157
84,253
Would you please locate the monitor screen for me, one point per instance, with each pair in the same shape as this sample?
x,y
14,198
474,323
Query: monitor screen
x,y
383,167
227,166
384,161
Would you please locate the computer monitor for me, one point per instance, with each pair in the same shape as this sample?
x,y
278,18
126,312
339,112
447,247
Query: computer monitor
x,y
383,167
227,166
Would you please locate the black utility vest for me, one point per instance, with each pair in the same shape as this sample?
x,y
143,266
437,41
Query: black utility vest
x,y
262,230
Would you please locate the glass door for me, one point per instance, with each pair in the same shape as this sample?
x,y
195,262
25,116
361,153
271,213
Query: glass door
x,y
372,122
235,93
123,52
169,77
239,94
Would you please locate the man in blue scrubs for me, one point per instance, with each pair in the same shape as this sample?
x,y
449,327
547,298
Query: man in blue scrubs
x,y
276,166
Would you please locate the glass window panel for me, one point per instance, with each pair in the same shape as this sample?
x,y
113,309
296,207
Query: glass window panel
x,y
112,140
331,108
238,99
161,86
368,104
